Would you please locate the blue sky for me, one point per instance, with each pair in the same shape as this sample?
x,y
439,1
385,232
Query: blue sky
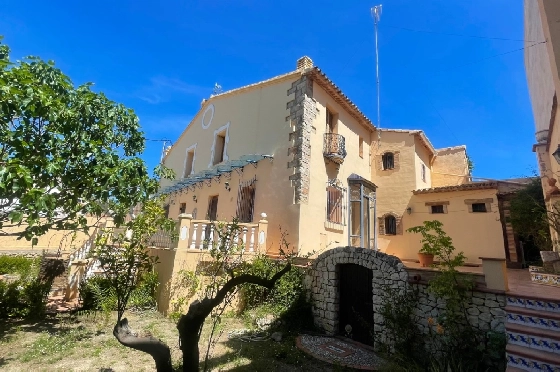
x,y
163,58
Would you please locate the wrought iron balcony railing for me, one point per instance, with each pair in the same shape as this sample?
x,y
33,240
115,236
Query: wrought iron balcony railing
x,y
334,147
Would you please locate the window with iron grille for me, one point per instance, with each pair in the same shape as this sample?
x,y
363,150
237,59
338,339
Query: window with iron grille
x,y
479,208
246,201
437,209
335,198
390,225
388,161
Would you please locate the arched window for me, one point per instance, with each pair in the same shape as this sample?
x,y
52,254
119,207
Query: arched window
x,y
388,160
390,225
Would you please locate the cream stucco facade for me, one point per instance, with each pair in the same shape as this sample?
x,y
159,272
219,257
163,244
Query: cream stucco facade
x,y
309,143
542,66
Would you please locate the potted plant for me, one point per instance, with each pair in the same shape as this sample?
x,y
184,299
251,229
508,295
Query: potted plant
x,y
434,241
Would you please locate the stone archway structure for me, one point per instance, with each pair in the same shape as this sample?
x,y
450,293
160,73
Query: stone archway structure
x,y
325,290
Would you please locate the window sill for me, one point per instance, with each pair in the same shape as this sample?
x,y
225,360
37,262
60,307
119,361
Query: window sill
x,y
333,226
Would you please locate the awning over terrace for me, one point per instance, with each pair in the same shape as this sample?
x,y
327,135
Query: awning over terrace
x,y
214,172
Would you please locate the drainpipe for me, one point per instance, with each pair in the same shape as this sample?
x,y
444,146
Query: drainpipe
x,y
375,221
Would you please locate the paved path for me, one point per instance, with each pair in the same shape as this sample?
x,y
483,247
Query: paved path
x,y
338,351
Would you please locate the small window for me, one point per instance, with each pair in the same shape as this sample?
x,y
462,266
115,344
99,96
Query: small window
x,y
182,208
437,209
479,208
390,225
388,161
423,172
189,164
166,211
361,144
219,148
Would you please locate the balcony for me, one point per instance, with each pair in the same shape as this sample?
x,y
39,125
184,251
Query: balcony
x,y
334,148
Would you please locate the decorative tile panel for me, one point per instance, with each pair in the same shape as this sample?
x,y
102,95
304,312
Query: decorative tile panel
x,y
533,321
545,278
541,305
533,342
527,364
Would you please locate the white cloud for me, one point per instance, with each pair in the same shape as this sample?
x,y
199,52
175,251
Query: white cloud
x,y
162,89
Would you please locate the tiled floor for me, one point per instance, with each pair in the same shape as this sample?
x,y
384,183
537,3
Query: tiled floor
x,y
520,284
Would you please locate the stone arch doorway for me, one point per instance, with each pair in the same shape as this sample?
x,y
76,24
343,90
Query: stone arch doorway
x,y
327,278
355,305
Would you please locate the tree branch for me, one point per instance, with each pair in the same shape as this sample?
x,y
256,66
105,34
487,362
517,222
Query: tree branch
x,y
151,345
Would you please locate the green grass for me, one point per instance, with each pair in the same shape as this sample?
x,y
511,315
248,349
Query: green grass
x,y
25,267
54,347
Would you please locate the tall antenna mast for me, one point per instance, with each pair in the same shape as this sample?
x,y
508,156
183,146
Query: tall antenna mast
x,y
376,14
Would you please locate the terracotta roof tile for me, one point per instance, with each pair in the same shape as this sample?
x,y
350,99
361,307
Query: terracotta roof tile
x,y
464,187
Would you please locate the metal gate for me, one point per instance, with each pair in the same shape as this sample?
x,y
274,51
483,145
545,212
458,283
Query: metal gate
x,y
356,303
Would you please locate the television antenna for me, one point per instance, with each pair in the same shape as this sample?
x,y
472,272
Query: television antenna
x,y
376,14
217,89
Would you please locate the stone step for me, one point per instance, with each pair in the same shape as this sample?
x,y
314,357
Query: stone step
x,y
534,304
533,338
533,318
531,360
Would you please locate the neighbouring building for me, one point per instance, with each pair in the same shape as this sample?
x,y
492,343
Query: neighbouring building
x,y
297,149
542,63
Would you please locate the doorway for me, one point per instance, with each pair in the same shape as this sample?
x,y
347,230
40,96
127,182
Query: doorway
x,y
356,303
211,215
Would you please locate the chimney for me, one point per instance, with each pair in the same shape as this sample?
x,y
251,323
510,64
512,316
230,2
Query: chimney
x,y
303,63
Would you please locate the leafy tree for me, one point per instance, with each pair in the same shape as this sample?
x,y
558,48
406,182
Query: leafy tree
x,y
530,218
65,151
125,257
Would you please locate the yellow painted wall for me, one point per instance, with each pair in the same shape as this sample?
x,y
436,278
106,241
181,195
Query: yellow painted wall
x,y
49,241
394,186
476,234
257,125
450,167
313,236
273,196
423,156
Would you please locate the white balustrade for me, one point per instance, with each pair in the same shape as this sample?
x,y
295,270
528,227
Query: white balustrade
x,y
193,241
252,246
202,235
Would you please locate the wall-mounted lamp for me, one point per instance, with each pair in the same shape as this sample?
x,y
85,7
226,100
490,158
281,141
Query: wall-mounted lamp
x,y
228,187
409,210
556,154
194,198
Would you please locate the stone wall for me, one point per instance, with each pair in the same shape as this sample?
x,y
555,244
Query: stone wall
x,y
485,308
302,113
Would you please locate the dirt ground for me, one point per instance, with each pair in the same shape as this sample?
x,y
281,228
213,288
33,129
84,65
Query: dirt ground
x,y
86,343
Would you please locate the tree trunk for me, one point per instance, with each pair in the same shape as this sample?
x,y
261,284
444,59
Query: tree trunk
x,y
189,325
151,345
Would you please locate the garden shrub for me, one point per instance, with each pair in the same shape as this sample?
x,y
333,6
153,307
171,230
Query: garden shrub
x,y
287,299
451,342
23,298
24,266
97,293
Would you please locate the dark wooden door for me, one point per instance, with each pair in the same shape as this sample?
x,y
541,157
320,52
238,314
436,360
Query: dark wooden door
x,y
213,208
356,303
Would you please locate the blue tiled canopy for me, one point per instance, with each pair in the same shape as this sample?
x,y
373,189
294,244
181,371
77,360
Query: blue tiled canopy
x,y
215,171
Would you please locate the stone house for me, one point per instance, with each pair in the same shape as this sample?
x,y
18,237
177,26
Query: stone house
x,y
297,149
